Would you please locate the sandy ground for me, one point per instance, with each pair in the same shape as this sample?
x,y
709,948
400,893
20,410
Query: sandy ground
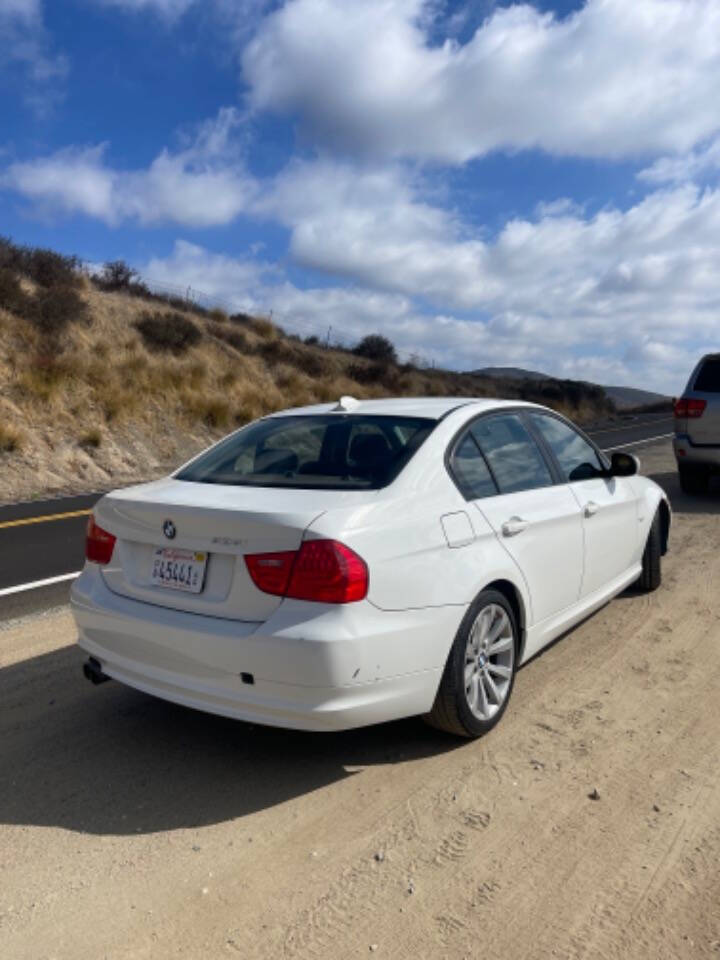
x,y
133,828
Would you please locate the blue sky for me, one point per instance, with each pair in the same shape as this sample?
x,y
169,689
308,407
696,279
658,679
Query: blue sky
x,y
485,183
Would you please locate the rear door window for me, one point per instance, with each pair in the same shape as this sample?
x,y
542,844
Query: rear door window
x,y
512,454
708,379
578,459
471,471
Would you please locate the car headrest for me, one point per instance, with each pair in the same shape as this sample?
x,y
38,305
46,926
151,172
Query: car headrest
x,y
275,461
368,447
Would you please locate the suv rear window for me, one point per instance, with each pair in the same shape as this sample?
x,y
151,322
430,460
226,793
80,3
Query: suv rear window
x,y
708,379
324,451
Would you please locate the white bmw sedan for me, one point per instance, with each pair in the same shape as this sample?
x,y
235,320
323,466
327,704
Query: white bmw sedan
x,y
340,565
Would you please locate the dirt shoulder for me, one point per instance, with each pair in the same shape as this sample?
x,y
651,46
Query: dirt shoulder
x,y
131,828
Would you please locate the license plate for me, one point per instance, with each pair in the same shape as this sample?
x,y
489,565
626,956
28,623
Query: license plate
x,y
179,569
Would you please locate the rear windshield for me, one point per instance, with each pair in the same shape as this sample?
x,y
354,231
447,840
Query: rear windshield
x,y
708,380
330,451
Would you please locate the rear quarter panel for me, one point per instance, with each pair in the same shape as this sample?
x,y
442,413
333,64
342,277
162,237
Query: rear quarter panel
x,y
404,541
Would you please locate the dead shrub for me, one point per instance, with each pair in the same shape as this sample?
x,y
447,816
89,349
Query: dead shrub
x,y
218,316
376,347
115,275
57,307
44,267
12,296
91,439
276,351
313,363
243,318
11,439
168,331
368,373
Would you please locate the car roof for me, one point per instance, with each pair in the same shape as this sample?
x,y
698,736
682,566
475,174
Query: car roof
x,y
435,408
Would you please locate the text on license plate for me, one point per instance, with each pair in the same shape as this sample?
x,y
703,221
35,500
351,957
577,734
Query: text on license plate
x,y
179,569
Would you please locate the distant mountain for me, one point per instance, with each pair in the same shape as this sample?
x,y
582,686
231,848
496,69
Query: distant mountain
x,y
624,398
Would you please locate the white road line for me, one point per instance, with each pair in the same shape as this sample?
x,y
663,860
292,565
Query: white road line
x,y
636,443
21,587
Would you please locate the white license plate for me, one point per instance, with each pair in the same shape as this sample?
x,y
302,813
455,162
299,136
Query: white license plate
x,y
179,569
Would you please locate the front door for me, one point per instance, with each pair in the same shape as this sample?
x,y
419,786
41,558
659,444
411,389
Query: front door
x,y
536,519
608,505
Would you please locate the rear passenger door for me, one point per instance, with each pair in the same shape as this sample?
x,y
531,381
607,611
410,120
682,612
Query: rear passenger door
x,y
608,505
536,519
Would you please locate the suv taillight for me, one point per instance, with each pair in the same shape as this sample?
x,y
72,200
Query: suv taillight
x,y
689,407
99,544
321,570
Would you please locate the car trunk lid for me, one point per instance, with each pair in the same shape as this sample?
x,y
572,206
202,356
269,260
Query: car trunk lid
x,y
222,522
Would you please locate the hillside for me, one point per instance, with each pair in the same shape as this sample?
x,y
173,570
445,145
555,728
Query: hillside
x,y
103,383
632,398
624,398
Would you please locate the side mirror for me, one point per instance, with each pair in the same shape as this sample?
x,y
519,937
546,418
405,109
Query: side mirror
x,y
624,465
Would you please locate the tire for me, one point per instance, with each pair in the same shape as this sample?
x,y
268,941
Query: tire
x,y
693,479
651,576
472,709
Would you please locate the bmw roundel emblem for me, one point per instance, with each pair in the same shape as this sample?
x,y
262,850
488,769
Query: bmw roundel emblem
x,y
169,529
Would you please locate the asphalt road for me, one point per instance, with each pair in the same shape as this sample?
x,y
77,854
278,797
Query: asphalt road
x,y
44,540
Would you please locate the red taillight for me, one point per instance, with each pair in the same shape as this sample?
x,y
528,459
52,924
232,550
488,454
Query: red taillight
x,y
329,572
321,570
689,407
271,571
99,544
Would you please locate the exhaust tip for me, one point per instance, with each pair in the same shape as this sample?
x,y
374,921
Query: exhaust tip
x,y
93,671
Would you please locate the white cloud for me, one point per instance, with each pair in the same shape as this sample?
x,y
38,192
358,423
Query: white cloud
x,y
241,15
348,313
23,9
686,167
562,276
614,79
24,43
70,180
368,225
625,297
201,185
170,9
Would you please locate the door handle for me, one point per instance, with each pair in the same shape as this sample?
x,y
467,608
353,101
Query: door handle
x,y
513,525
591,508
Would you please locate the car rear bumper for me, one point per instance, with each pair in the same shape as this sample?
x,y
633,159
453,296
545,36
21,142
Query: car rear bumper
x,y
313,667
687,452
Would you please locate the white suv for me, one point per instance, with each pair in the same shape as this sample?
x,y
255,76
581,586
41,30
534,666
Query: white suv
x,y
697,426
